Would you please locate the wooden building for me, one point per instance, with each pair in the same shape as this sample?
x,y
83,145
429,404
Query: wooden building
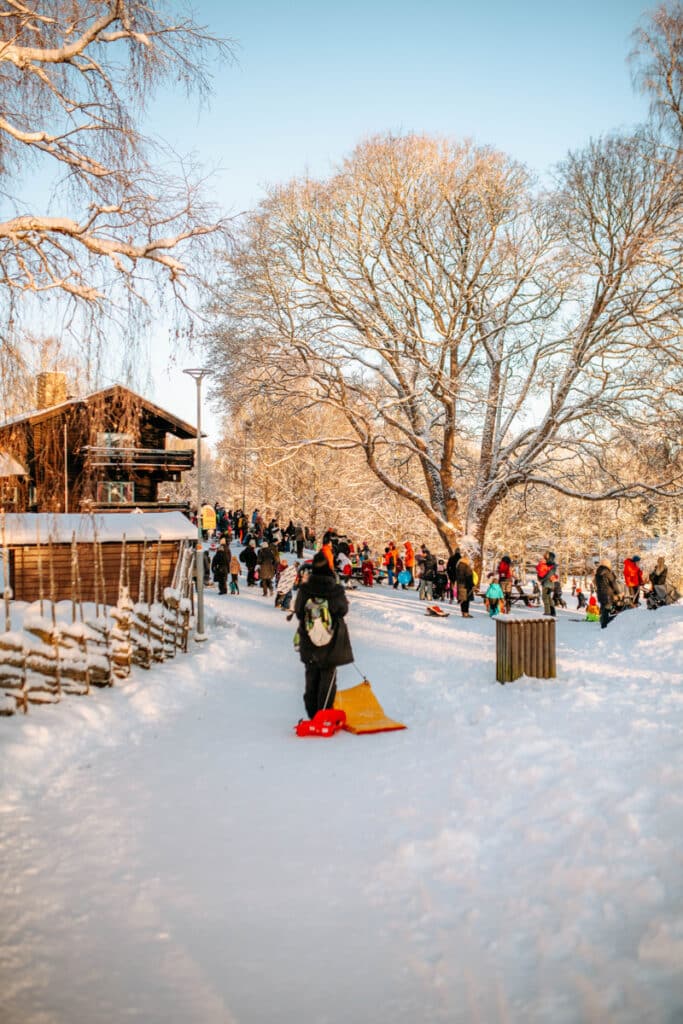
x,y
88,556
107,451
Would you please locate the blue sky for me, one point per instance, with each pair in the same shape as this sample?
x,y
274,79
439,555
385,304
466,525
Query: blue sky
x,y
310,80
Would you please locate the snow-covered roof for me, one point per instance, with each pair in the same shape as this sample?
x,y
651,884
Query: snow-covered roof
x,y
182,428
28,527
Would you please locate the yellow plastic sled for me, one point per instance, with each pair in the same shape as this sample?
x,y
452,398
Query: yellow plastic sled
x,y
364,713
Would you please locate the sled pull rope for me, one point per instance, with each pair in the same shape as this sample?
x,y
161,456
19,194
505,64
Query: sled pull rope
x,y
361,674
332,682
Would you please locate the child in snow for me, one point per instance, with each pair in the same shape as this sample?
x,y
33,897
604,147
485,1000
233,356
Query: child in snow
x,y
235,573
558,600
592,610
440,581
493,597
580,599
286,582
368,571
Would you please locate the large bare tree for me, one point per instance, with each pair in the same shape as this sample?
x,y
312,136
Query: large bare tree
x,y
90,211
466,326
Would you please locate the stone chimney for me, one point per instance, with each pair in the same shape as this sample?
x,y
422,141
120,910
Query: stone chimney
x,y
50,389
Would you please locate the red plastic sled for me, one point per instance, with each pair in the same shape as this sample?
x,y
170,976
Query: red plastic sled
x,y
324,723
439,613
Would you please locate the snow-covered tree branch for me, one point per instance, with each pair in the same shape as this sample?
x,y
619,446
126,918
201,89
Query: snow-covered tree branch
x,y
116,222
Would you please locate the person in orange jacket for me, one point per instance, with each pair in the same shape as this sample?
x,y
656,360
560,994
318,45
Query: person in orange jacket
x,y
327,550
633,577
409,561
390,555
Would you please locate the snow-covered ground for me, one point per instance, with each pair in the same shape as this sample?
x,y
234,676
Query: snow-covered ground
x,y
171,853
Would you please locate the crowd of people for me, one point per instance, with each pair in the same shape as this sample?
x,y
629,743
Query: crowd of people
x,y
320,582
235,524
452,579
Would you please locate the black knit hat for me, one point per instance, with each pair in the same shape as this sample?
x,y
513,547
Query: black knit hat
x,y
321,567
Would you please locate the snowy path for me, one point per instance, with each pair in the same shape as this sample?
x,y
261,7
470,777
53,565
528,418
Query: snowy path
x,y
172,853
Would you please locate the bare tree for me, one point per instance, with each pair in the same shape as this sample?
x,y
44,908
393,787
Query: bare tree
x,y
466,327
75,79
657,60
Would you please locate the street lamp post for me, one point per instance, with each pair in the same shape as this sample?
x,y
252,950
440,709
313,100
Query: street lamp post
x,y
198,375
245,427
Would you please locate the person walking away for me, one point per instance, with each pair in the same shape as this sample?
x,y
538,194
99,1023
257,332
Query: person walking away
x,y
266,570
505,581
607,590
320,607
464,579
633,577
235,573
545,570
299,539
285,586
219,567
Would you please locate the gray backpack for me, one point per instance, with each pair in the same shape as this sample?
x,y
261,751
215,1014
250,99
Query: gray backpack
x,y
318,621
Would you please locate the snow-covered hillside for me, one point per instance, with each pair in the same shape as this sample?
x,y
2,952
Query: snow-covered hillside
x,y
171,853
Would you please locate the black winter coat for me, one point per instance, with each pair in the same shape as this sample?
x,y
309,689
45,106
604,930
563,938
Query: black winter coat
x,y
249,557
451,566
219,564
429,567
338,651
606,585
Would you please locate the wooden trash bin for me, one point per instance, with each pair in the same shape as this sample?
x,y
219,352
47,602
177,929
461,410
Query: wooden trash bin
x,y
525,647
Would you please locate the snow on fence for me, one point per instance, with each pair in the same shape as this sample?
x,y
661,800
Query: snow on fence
x,y
48,656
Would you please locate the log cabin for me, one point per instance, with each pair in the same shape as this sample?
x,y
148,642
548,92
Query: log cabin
x,y
104,452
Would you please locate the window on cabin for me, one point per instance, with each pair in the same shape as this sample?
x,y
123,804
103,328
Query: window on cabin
x,y
115,492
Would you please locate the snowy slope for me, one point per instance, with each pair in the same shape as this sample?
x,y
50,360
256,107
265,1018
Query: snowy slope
x,y
171,852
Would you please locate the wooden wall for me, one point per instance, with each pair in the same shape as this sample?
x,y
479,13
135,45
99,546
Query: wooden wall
x,y
25,570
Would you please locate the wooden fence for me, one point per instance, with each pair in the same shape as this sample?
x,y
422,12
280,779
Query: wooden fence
x,y
48,658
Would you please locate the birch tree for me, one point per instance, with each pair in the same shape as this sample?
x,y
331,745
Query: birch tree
x,y
463,324
116,228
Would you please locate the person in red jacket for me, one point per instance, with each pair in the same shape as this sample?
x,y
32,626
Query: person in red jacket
x,y
633,577
505,580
